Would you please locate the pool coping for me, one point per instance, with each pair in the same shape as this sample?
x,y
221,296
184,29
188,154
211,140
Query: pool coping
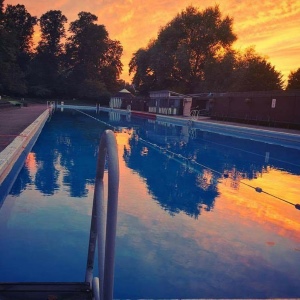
x,y
14,155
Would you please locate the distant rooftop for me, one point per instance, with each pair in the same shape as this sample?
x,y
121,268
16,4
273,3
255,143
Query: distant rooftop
x,y
123,94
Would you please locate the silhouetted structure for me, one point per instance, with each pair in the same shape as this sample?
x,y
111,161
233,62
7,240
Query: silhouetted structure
x,y
277,108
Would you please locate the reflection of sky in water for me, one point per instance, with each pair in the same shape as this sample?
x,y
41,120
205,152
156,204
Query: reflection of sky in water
x,y
184,230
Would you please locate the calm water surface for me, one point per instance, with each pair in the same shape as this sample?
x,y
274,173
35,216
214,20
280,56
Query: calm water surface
x,y
190,223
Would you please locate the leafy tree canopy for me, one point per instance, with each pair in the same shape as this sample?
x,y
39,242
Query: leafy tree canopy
x,y
91,56
179,54
294,80
19,22
52,31
253,72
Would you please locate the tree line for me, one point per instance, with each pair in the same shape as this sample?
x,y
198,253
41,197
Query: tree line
x,y
192,53
84,64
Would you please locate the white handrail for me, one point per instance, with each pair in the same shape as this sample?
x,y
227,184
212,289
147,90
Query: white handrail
x,y
196,113
104,223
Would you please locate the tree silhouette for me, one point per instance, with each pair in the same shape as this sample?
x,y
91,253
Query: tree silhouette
x,y
294,80
45,67
19,22
178,56
254,73
16,31
93,60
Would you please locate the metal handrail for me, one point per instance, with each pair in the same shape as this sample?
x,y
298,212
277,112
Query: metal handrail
x,y
104,222
195,113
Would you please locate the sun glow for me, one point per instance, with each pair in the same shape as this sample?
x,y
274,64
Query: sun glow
x,y
265,210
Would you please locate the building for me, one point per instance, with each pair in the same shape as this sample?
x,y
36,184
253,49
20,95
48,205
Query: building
x,y
169,103
160,102
117,100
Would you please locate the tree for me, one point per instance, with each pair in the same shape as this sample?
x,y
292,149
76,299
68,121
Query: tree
x,y
143,75
45,67
218,73
16,29
254,73
52,31
1,11
178,56
111,66
294,80
91,56
19,22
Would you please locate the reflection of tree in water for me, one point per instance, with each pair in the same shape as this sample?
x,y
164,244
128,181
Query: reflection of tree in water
x,y
47,175
22,180
175,185
187,181
67,146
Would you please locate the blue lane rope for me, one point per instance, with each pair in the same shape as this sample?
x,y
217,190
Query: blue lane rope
x,y
173,155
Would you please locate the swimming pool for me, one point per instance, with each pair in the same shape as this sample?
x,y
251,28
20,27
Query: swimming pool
x,y
190,222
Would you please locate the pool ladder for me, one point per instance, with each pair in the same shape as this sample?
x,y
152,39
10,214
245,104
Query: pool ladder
x,y
103,229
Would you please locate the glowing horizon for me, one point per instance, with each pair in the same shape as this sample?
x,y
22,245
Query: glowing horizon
x,y
271,26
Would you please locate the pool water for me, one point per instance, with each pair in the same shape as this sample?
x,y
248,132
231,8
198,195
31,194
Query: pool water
x,y
190,223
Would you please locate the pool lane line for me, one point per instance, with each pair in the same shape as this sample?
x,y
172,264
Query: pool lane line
x,y
155,146
173,155
107,124
260,190
249,152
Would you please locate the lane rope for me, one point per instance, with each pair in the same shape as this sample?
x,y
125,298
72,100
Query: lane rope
x,y
164,151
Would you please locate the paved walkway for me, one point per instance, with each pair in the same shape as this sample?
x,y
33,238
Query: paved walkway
x,y
13,120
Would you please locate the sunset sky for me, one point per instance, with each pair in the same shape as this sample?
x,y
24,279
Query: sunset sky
x,y
272,26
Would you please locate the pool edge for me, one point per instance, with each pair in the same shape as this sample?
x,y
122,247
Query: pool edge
x,y
14,155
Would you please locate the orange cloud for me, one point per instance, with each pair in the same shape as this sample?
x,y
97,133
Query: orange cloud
x,y
272,26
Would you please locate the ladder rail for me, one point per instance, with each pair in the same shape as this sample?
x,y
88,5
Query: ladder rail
x,y
104,221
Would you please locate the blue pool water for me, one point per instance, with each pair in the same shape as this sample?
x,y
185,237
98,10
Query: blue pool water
x,y
190,223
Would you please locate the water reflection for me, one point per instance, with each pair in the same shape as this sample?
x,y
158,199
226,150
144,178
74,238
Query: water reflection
x,y
181,166
169,241
182,170
171,182
64,156
24,179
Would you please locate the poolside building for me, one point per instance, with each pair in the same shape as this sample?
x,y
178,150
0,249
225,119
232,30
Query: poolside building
x,y
162,102
169,103
117,100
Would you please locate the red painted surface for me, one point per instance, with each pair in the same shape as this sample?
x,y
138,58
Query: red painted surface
x,y
144,114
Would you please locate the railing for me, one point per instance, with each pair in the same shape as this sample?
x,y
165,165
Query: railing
x,y
104,233
195,113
